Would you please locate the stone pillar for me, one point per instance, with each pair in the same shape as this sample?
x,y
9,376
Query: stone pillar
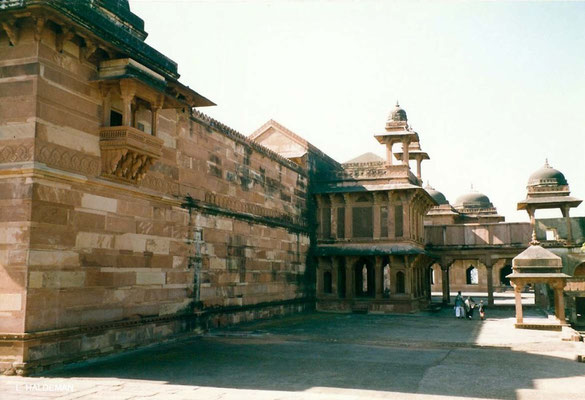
x,y
379,277
565,211
418,166
127,91
106,106
376,217
348,216
518,296
154,124
406,222
445,279
559,302
405,154
319,277
334,276
489,267
531,211
349,286
389,153
407,276
334,207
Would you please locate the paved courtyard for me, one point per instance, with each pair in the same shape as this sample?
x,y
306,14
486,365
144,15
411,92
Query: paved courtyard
x,y
333,356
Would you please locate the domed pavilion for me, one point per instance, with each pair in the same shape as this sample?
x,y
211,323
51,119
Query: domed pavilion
x,y
548,188
477,207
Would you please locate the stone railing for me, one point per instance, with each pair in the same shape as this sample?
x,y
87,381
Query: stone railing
x,y
481,235
128,153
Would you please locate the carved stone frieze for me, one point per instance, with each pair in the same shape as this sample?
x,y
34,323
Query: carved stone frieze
x,y
16,153
159,184
128,153
63,158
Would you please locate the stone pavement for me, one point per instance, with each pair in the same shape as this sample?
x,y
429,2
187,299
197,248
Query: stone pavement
x,y
333,356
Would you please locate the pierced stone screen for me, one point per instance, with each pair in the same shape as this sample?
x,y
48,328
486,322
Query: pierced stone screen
x,y
362,222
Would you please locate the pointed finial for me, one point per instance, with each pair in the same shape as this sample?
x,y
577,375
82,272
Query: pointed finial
x,y
397,104
472,187
546,165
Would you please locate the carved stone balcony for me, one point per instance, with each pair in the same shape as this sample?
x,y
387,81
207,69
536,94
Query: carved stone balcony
x,y
128,153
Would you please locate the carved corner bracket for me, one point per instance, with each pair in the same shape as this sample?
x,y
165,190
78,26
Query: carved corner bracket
x,y
128,153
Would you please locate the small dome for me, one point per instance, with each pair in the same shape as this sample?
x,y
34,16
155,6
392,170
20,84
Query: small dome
x,y
398,114
547,175
436,195
473,200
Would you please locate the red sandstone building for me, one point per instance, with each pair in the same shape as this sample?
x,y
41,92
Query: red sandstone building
x,y
128,217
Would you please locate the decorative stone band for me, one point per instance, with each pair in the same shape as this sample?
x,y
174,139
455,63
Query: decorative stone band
x,y
377,170
214,205
128,153
16,153
255,209
546,189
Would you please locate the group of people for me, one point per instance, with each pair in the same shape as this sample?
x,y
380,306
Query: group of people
x,y
465,308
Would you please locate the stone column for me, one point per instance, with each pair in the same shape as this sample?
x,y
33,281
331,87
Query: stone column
x,y
408,288
490,280
389,153
127,91
319,277
379,277
445,279
531,211
518,297
348,216
406,222
559,302
349,286
334,207
334,276
106,106
154,124
405,154
565,211
418,166
376,217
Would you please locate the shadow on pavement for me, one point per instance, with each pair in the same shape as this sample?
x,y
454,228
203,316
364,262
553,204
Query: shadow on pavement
x,y
345,352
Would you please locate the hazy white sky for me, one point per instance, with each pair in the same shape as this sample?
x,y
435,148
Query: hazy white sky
x,y
492,88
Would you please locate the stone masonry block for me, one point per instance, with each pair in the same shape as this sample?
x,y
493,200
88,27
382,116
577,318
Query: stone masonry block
x,y
150,278
101,203
53,258
94,240
10,302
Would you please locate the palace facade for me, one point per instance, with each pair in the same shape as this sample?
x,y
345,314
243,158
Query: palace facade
x,y
129,217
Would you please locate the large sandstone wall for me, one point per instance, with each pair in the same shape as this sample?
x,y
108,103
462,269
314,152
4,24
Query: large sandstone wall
x,y
217,224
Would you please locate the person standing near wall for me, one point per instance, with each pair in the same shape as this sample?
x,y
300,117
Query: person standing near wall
x,y
459,311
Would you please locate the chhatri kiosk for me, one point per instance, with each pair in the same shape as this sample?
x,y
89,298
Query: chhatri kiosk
x,y
547,188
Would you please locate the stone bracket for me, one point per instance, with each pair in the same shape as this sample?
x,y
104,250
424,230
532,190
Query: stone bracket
x,y
128,153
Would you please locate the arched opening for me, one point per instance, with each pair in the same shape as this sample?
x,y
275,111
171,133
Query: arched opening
x,y
432,275
471,276
327,282
400,284
504,272
364,278
386,274
341,279
579,271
